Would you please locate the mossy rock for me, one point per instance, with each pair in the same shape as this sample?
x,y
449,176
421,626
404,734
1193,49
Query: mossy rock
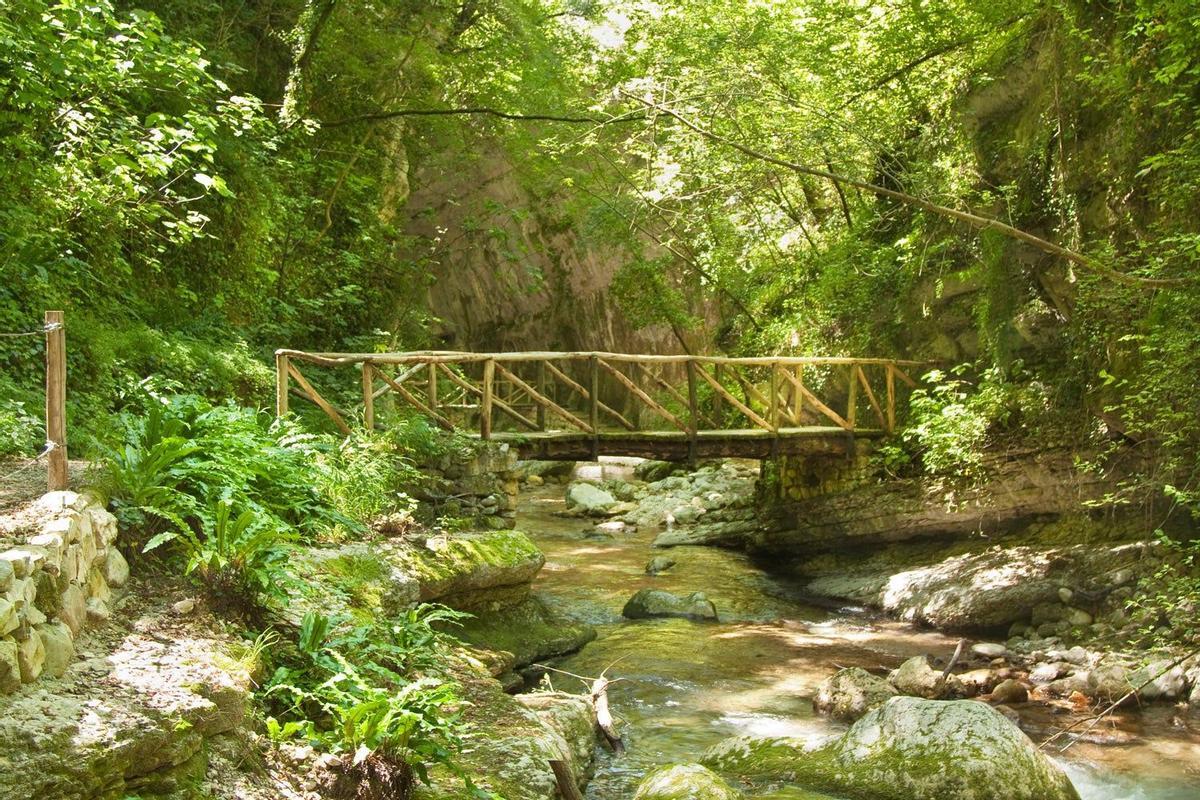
x,y
454,566
529,630
513,740
685,782
909,749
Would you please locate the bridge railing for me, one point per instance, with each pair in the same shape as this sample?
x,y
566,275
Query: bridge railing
x,y
591,392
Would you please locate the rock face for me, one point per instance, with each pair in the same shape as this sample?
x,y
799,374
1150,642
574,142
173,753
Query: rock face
x,y
984,590
1042,486
849,693
589,500
685,782
909,749
528,630
136,723
649,603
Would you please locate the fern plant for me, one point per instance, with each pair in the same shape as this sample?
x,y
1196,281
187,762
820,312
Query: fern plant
x,y
239,559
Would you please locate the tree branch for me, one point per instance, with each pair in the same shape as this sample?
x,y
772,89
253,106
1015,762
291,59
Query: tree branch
x,y
980,222
380,116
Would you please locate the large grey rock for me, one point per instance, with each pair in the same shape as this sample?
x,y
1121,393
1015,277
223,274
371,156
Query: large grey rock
x,y
31,656
116,568
143,726
909,749
590,500
651,471
659,564
59,647
648,603
849,693
916,678
685,782
982,590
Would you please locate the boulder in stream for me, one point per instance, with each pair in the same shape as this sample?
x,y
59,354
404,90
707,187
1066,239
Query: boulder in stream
x,y
685,782
915,677
849,693
589,500
649,603
908,749
659,564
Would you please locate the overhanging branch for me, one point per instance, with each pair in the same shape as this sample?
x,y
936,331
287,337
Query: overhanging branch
x,y
379,116
977,221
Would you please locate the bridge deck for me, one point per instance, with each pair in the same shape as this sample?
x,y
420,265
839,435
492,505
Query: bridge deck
x,y
573,406
677,445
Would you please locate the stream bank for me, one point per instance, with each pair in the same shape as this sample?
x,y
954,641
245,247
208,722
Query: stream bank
x,y
688,685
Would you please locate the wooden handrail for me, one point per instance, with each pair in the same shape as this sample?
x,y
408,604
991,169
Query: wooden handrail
x,y
770,400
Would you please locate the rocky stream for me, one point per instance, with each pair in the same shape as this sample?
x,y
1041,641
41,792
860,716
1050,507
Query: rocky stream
x,y
687,684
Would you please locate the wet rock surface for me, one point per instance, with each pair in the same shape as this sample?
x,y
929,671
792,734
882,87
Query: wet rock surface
x,y
685,782
908,749
849,693
650,603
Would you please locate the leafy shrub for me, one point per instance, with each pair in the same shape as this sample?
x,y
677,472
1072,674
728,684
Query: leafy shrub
x,y
951,419
366,475
21,433
351,695
181,455
238,559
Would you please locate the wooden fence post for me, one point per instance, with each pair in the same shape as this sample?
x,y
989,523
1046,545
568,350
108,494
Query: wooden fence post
x,y
485,406
891,398
432,391
852,400
542,388
693,422
594,404
281,385
56,400
368,387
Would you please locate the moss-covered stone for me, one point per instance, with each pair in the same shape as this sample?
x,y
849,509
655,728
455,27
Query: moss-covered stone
x,y
514,739
685,782
455,565
909,749
529,630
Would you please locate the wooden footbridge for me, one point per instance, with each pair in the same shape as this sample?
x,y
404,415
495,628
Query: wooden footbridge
x,y
583,405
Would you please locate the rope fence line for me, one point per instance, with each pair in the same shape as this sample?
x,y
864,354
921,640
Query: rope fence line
x,y
50,446
53,326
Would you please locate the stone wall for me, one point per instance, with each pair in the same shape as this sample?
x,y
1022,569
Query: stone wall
x,y
480,485
795,478
54,585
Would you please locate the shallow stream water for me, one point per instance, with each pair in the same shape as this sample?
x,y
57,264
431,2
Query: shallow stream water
x,y
685,686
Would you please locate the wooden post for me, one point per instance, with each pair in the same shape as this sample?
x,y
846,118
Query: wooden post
x,y
718,415
594,404
281,385
485,408
773,412
542,388
891,399
432,392
852,400
56,400
799,407
693,423
368,388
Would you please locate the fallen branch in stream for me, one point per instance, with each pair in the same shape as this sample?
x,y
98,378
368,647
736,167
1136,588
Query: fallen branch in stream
x,y
1098,718
950,664
598,696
